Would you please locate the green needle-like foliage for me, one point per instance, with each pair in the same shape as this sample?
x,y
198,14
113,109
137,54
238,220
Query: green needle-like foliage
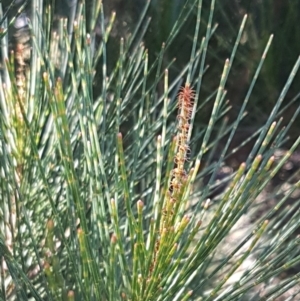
x,y
105,195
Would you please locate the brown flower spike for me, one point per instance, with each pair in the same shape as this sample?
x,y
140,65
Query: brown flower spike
x,y
185,104
179,176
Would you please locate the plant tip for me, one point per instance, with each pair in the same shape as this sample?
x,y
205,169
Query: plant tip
x,y
50,224
140,204
243,165
123,295
113,238
46,265
259,157
88,38
206,204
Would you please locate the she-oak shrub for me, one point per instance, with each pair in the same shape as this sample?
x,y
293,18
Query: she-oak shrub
x,y
88,213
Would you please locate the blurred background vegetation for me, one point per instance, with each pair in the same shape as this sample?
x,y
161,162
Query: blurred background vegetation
x,y
266,17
